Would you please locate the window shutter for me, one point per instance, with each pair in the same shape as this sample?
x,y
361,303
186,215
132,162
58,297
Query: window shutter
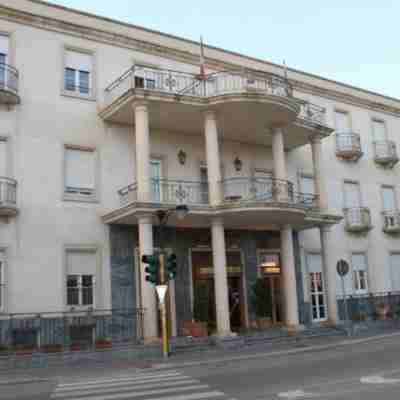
x,y
4,44
379,130
81,262
3,157
80,169
78,61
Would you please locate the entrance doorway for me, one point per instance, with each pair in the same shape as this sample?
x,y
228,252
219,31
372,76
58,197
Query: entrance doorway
x,y
317,295
270,270
204,307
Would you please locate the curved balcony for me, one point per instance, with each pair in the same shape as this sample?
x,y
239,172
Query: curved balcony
x,y
391,221
348,146
385,153
8,85
246,101
357,219
8,197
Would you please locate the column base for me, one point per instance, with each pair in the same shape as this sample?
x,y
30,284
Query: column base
x,y
224,335
294,330
152,340
329,324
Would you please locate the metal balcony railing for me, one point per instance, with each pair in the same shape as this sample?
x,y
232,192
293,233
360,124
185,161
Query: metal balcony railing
x,y
385,153
264,190
8,192
169,191
9,79
391,221
182,83
348,145
312,113
357,219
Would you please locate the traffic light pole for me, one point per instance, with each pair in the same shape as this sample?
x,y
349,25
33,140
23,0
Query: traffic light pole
x,y
164,329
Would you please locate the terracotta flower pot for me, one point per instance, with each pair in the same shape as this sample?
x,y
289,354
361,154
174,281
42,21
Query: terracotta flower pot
x,y
103,344
195,329
264,323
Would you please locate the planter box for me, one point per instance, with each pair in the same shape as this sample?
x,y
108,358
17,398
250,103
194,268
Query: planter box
x,y
52,348
104,344
195,329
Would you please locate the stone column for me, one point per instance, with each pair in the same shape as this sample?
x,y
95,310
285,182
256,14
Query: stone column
x,y
213,157
220,278
289,279
329,274
319,182
142,137
278,153
148,293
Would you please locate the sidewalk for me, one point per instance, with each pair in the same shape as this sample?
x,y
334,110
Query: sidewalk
x,y
90,370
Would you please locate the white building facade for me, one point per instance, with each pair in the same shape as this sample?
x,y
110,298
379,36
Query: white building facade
x,y
103,123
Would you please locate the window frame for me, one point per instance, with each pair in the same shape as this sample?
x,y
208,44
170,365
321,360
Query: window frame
x,y
349,119
80,288
305,175
3,279
91,96
97,284
356,276
352,182
393,188
383,122
79,196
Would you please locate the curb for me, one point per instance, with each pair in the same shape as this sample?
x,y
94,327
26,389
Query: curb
x,y
23,381
346,342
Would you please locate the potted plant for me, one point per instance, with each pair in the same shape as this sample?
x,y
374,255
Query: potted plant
x,y
262,303
103,343
382,311
24,349
52,348
198,326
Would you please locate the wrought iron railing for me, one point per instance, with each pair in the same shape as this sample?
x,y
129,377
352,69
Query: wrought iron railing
x,y
256,189
128,194
8,192
371,306
385,152
181,83
312,113
70,330
391,221
357,218
9,78
348,144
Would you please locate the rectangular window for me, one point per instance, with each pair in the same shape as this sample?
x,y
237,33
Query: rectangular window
x,y
204,185
352,196
3,157
378,130
2,285
307,184
389,198
78,73
342,121
156,176
359,264
80,173
80,278
4,49
395,271
317,290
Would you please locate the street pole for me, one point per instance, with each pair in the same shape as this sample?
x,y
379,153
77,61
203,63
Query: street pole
x,y
346,310
164,329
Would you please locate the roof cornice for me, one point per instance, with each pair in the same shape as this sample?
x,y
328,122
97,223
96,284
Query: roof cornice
x,y
125,41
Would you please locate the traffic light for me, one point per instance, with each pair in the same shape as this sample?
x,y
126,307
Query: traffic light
x,y
170,266
152,268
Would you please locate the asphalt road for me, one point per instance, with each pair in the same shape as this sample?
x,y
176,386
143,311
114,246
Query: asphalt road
x,y
360,371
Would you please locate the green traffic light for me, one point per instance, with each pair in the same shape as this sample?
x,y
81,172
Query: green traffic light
x,y
171,266
151,268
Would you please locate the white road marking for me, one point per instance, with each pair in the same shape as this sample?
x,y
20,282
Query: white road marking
x,y
378,380
294,394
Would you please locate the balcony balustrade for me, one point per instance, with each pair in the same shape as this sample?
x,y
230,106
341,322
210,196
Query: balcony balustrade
x,y
8,197
312,113
8,84
348,146
235,190
391,221
385,153
357,219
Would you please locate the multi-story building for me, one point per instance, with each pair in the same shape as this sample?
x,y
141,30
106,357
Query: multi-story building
x,y
104,123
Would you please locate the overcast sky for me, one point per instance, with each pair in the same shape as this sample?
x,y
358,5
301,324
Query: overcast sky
x,y
352,41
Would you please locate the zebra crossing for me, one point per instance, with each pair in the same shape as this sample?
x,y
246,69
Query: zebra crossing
x,y
165,385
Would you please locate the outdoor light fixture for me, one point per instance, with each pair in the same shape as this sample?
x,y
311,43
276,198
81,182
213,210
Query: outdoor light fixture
x,y
181,211
182,157
238,164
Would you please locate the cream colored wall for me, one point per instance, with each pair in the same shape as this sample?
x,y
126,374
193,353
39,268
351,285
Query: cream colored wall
x,y
45,121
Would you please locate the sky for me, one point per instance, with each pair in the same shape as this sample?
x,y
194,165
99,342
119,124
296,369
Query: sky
x,y
351,41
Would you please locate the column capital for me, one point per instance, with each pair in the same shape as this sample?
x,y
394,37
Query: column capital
x,y
140,105
315,139
325,228
275,129
145,219
209,113
217,221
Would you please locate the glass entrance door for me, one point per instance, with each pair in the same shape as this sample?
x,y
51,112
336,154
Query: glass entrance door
x,y
317,297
